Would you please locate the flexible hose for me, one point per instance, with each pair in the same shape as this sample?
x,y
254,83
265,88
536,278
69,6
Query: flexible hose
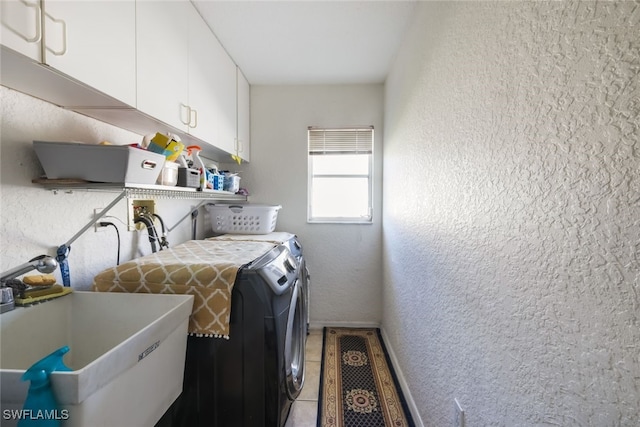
x,y
163,240
153,236
164,229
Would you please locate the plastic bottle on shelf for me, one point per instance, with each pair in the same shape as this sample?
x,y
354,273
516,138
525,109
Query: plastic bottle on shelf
x,y
194,152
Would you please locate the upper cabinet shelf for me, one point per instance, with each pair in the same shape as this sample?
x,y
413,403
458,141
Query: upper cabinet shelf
x,y
139,191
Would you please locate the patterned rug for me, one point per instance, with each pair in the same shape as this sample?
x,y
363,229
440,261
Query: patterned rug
x,y
358,388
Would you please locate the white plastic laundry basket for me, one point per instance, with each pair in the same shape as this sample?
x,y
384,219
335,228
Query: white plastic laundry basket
x,y
243,219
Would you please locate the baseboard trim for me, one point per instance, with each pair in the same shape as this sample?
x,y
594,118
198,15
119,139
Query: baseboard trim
x,y
413,408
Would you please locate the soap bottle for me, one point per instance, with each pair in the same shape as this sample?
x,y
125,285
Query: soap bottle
x,y
41,408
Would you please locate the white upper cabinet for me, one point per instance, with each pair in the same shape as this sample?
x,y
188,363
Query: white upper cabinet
x,y
163,51
223,76
22,26
185,77
93,42
243,144
144,65
211,87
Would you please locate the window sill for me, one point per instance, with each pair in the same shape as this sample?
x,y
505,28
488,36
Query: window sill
x,y
337,221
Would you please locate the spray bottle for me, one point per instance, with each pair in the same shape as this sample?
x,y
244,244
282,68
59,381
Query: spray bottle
x,y
41,408
194,152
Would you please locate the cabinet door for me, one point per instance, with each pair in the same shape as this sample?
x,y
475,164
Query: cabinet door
x,y
244,117
224,80
21,27
93,42
162,55
205,119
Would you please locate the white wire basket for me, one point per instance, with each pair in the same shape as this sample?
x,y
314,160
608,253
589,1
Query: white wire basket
x,y
243,219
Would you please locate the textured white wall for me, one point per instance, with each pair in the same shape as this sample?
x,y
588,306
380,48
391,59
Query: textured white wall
x,y
344,260
34,221
511,257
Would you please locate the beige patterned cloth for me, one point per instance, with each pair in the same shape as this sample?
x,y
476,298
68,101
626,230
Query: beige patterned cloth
x,y
205,269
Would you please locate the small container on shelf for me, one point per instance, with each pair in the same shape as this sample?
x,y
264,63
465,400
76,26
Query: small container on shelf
x,y
231,183
168,174
216,181
188,177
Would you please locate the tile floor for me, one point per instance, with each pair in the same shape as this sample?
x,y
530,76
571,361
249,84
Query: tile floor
x,y
304,411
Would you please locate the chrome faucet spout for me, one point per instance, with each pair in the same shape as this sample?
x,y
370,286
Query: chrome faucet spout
x,y
43,263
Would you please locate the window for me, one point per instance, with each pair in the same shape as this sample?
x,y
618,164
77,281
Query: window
x,y
340,175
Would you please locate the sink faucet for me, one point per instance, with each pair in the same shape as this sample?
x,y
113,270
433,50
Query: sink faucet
x,y
43,263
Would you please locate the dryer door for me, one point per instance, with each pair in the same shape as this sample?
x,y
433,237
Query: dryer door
x,y
305,280
294,343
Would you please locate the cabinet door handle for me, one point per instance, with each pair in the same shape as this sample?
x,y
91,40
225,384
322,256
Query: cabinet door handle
x,y
64,36
38,35
188,115
193,118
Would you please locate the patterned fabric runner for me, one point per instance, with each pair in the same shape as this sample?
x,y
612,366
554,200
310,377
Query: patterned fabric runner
x,y
357,386
205,269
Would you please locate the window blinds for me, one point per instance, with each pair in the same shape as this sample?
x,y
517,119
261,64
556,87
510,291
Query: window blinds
x,y
340,141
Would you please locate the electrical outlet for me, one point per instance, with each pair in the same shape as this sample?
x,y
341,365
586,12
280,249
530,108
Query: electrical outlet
x,y
107,218
136,208
458,414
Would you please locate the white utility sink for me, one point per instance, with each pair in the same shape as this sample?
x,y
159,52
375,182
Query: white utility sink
x,y
127,354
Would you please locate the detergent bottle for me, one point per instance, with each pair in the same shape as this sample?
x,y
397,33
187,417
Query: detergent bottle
x,y
194,152
41,408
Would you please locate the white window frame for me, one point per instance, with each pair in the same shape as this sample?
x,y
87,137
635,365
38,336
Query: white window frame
x,y
349,141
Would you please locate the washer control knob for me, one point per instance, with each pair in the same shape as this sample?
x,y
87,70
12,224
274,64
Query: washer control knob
x,y
290,264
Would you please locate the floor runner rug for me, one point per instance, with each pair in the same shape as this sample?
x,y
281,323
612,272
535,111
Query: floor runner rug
x,y
358,387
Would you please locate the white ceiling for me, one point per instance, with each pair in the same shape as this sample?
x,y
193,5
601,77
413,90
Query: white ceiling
x,y
309,42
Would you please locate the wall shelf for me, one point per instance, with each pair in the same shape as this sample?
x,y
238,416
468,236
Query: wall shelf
x,y
138,191
127,191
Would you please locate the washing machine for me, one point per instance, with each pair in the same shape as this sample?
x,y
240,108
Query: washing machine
x,y
292,243
295,247
251,379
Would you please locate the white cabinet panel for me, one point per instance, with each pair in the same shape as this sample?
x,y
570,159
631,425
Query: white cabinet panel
x,y
212,87
21,28
205,120
162,44
78,40
244,117
224,79
93,42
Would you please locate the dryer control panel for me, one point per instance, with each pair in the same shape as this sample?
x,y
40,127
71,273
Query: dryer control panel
x,y
280,273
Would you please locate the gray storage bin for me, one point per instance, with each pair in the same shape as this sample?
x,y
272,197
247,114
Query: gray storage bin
x,y
188,177
99,163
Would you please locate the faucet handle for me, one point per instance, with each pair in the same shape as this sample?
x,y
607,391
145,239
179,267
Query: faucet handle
x,y
6,295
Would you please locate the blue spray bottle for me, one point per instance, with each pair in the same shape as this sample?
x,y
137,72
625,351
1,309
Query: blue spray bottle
x,y
41,408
